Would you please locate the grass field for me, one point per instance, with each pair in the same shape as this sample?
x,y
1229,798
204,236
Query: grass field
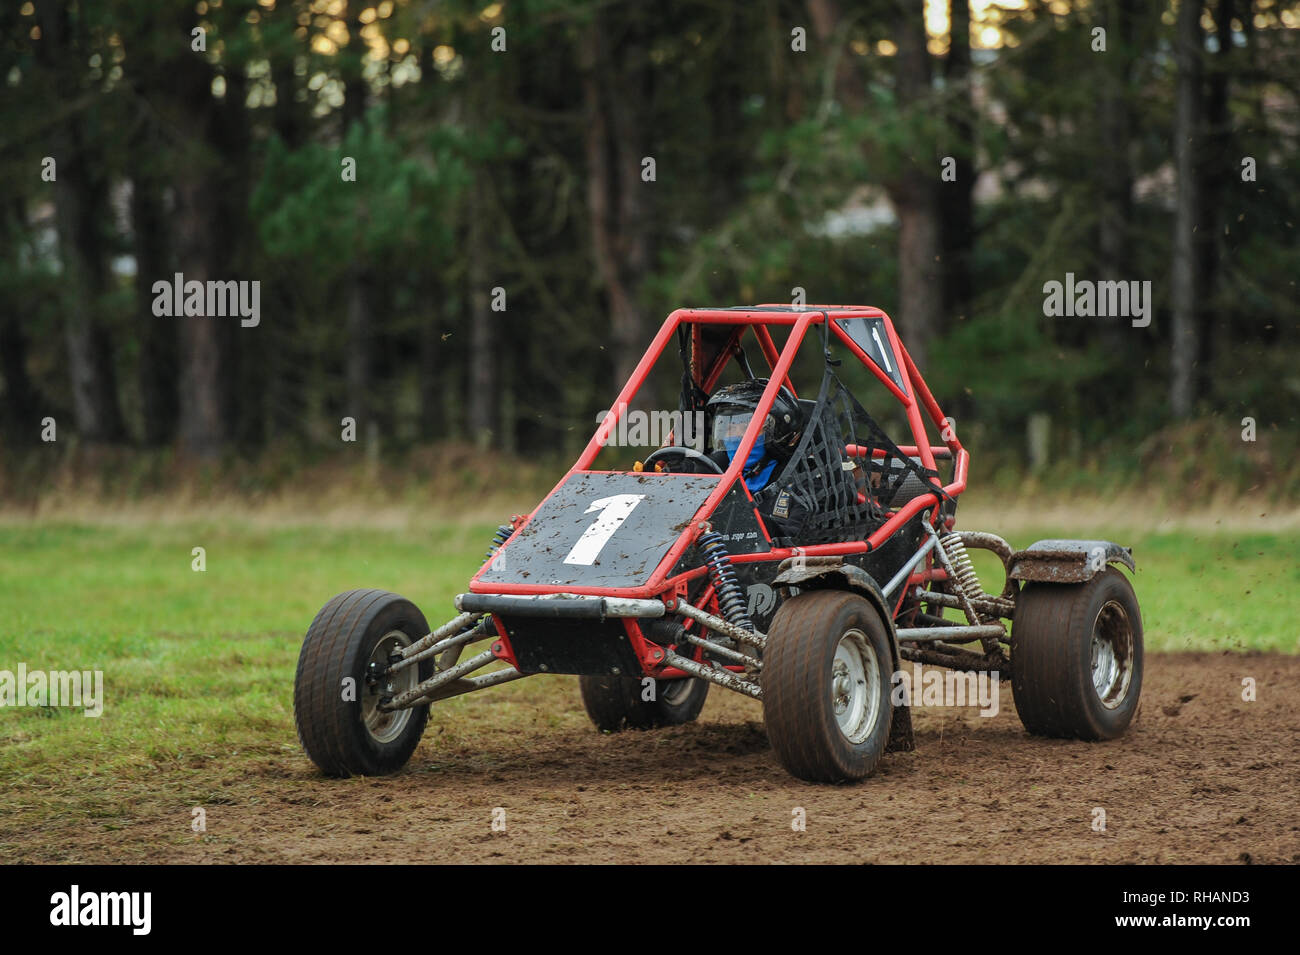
x,y
198,666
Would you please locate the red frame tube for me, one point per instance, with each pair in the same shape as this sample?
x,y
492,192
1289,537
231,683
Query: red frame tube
x,y
914,397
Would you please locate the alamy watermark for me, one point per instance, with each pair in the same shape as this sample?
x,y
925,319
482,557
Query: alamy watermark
x,y
40,688
212,299
938,687
644,429
75,907
1087,299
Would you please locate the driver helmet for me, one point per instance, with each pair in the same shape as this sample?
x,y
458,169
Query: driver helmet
x,y
731,409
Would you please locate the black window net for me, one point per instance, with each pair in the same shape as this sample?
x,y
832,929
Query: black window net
x,y
823,495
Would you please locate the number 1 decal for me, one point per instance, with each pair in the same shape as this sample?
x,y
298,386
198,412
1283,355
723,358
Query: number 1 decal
x,y
875,333
613,512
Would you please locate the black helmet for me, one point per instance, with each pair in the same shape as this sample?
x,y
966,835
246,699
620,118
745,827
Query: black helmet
x,y
732,406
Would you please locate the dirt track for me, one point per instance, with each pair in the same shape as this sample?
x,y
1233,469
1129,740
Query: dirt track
x,y
1202,777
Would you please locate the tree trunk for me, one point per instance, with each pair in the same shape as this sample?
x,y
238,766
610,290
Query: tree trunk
x,y
157,365
627,94
289,120
243,395
616,195
360,321
1184,345
203,430
80,194
958,207
914,194
284,384
430,379
20,409
915,197
849,87
79,204
482,364
359,280
1217,168
1115,173
21,404
1114,186
204,362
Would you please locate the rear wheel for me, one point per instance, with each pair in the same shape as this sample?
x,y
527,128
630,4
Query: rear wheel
x,y
615,703
826,686
340,685
1076,657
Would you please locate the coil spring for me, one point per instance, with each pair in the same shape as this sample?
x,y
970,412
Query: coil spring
x,y
967,581
731,600
500,537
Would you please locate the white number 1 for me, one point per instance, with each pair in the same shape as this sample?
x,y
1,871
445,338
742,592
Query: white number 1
x,y
613,512
875,333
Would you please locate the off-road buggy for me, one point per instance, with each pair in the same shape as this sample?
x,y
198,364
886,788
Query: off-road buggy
x,y
656,582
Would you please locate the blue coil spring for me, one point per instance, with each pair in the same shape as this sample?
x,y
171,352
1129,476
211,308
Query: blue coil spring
x,y
500,537
731,599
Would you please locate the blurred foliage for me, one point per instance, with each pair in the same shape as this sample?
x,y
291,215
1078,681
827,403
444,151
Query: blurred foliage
x,y
474,167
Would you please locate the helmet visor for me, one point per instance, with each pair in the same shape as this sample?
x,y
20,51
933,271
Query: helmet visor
x,y
729,427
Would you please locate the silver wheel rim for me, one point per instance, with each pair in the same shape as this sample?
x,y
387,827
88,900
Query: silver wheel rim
x,y
384,727
674,692
855,686
1112,654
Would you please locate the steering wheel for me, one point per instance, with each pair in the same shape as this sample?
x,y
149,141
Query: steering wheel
x,y
684,454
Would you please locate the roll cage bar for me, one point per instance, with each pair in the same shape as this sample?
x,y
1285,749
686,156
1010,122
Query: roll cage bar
x,y
901,379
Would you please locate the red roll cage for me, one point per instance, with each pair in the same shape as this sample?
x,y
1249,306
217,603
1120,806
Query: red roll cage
x,y
909,389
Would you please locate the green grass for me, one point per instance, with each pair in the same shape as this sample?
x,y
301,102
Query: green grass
x,y
196,665
199,666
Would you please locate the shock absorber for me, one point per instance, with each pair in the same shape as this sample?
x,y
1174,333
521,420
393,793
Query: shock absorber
x,y
500,537
731,599
967,581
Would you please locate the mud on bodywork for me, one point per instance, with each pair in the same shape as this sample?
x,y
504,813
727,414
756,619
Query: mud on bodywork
x,y
540,552
1067,561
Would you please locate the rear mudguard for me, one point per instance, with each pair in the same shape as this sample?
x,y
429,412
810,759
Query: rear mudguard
x,y
814,573
1067,561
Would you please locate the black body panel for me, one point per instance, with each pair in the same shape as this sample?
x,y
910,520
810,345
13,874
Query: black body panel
x,y
650,513
763,599
586,647
735,520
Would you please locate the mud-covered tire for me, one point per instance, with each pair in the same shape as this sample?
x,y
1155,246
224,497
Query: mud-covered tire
x,y
827,721
616,703
350,737
1065,683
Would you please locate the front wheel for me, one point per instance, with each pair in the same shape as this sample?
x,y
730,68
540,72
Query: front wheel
x,y
826,686
1076,657
340,685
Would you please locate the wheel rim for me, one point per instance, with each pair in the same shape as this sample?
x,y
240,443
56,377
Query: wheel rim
x,y
384,727
855,686
1112,654
674,692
